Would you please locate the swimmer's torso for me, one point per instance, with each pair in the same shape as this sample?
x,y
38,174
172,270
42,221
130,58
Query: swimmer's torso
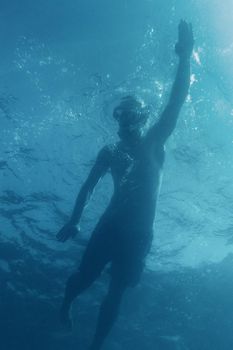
x,y
136,173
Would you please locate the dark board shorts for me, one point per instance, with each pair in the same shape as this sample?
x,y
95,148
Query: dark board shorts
x,y
125,248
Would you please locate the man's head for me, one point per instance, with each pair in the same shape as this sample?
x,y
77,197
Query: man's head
x,y
131,116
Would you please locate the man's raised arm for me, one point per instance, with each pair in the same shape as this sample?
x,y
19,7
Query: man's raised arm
x,y
167,122
99,170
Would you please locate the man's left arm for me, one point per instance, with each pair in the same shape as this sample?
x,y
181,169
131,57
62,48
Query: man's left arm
x,y
167,122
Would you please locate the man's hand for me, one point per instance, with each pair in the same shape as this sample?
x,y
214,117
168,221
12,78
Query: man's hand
x,y
184,47
68,231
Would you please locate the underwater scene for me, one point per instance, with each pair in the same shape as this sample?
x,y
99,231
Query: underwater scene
x,y
94,90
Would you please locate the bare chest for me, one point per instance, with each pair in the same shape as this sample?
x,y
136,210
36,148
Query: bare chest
x,y
135,165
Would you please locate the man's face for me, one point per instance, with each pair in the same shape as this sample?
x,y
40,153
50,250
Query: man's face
x,y
130,131
131,120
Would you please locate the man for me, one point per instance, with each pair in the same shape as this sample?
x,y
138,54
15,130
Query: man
x,y
123,234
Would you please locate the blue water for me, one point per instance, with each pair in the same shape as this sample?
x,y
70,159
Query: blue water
x,y
63,67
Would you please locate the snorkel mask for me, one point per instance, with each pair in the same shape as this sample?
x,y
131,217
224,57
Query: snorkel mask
x,y
130,112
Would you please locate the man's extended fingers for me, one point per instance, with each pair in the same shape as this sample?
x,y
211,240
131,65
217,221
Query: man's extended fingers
x,y
191,32
184,29
181,25
190,28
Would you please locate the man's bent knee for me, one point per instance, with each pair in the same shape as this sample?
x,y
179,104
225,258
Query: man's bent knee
x,y
80,280
77,283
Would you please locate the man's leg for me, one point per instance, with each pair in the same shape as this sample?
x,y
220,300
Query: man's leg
x,y
108,313
93,262
76,284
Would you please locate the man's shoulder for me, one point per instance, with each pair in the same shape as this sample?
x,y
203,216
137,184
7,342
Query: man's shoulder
x,y
107,151
152,138
109,148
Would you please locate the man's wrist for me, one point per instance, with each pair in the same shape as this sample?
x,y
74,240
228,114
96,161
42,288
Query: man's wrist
x,y
185,57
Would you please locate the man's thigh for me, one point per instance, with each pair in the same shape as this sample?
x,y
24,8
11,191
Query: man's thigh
x,y
97,254
129,259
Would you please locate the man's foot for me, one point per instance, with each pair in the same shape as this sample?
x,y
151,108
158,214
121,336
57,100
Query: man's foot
x,y
65,317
